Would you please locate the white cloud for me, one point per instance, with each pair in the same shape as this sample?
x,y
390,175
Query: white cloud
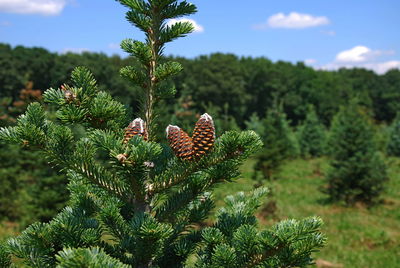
x,y
383,67
356,54
363,57
42,7
360,54
310,61
293,20
378,67
197,27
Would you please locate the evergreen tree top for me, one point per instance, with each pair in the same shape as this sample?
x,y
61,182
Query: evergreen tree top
x,y
351,124
138,203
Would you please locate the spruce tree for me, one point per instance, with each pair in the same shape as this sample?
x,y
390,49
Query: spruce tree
x,y
393,147
139,203
311,135
279,144
256,124
357,171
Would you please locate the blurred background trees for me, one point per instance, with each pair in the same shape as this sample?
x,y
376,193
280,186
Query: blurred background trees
x,y
254,86
394,137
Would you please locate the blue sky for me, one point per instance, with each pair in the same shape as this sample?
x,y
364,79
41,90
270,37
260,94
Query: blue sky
x,y
325,34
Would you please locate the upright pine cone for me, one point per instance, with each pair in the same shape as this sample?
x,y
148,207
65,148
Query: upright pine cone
x,y
136,127
203,135
180,142
69,95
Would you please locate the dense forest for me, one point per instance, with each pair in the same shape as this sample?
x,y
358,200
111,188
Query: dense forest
x,y
252,84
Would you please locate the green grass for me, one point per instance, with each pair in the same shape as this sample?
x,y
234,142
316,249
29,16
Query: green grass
x,y
357,236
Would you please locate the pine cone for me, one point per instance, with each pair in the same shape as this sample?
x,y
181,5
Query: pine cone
x,y
136,127
121,157
180,142
203,135
69,95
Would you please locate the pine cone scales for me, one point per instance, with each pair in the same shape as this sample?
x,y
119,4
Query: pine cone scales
x,y
203,135
201,142
180,142
136,127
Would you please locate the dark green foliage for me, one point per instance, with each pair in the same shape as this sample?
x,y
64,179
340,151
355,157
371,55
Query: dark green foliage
x,y
10,183
210,79
134,203
393,147
279,144
252,82
102,193
86,105
235,241
386,96
311,135
93,257
255,124
358,172
5,257
30,190
224,122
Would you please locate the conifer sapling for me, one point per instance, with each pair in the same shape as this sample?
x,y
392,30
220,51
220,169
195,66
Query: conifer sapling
x,y
138,203
357,170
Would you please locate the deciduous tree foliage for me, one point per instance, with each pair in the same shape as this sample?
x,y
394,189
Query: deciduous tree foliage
x,y
133,202
252,82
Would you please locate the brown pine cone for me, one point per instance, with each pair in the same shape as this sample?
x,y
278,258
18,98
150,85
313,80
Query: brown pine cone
x,y
136,127
69,95
180,142
203,135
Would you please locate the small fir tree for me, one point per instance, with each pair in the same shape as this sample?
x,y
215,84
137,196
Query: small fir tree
x,y
279,144
357,171
393,147
143,205
311,135
256,124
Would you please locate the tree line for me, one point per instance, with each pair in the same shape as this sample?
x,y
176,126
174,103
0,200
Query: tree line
x,y
253,84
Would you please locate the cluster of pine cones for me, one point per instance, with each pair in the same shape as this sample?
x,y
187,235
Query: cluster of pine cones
x,y
184,147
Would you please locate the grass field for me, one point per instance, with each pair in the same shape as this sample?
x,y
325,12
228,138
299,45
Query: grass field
x,y
358,237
